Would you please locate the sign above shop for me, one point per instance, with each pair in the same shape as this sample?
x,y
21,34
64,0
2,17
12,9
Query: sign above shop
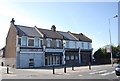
x,y
54,50
31,50
54,53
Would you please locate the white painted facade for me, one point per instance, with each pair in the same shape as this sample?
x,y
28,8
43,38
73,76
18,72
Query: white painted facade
x,y
25,55
77,44
25,60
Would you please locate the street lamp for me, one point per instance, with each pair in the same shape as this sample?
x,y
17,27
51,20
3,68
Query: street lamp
x,y
110,39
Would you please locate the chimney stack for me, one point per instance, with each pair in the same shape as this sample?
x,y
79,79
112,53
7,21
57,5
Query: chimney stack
x,y
12,21
53,28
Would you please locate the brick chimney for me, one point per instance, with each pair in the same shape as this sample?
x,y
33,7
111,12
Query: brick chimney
x,y
53,28
12,21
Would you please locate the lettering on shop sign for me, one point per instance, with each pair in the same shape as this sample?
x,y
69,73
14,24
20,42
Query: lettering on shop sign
x,y
31,50
54,50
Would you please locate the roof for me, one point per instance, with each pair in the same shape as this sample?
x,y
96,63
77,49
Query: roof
x,y
50,34
82,37
27,31
67,36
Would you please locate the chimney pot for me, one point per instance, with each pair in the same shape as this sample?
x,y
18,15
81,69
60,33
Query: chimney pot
x,y
12,21
53,28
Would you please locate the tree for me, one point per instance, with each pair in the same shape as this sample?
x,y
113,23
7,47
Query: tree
x,y
101,52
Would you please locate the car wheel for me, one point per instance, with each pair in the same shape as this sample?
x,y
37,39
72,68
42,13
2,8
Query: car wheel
x,y
117,74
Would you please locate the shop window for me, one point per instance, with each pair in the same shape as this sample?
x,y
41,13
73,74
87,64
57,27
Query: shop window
x,y
24,41
58,43
67,58
31,42
36,42
76,57
19,41
72,57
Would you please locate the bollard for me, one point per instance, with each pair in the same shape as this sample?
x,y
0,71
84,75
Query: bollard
x,y
12,65
89,66
53,69
2,64
65,69
72,67
7,69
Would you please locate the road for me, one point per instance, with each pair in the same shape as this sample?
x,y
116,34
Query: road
x,y
97,72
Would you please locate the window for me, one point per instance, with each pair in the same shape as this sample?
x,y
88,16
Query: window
x,y
31,42
72,57
31,62
58,43
36,42
19,41
75,44
67,44
49,42
67,58
76,57
41,42
24,41
82,45
88,45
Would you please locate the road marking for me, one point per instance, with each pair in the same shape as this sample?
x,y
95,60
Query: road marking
x,y
98,72
108,73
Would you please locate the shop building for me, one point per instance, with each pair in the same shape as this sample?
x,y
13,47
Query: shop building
x,y
78,48
53,46
30,47
85,48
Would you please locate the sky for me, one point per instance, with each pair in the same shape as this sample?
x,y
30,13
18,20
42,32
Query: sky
x,y
89,18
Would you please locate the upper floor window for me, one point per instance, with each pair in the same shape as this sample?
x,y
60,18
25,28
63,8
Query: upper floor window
x,y
88,45
49,42
67,44
58,43
24,41
30,42
36,42
75,44
41,42
19,41
82,45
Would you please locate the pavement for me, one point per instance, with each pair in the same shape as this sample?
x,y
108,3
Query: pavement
x,y
47,72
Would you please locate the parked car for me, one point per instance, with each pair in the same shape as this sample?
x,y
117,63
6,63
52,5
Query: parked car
x,y
117,70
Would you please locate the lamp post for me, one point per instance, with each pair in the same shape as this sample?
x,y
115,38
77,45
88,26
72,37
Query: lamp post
x,y
64,42
110,41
